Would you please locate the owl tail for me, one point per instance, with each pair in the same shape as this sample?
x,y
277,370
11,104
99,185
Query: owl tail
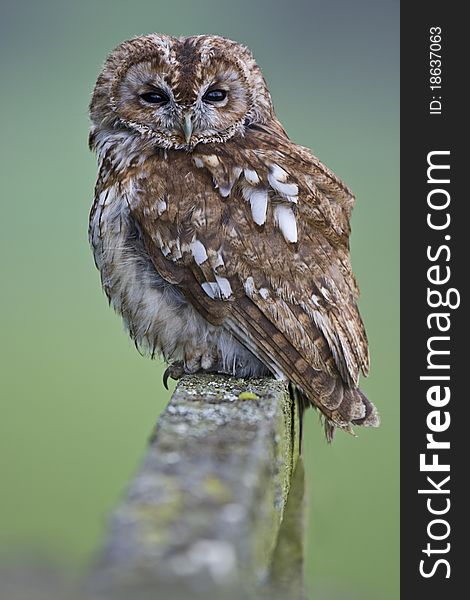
x,y
354,401
371,417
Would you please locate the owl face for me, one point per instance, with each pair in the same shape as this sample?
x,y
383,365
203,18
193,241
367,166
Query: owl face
x,y
181,91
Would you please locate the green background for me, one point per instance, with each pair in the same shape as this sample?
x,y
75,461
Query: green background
x,y
78,401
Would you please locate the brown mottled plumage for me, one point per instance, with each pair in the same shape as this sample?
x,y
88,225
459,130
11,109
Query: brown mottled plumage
x,y
224,245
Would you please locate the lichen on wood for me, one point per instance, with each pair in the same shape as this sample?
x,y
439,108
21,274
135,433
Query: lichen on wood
x,y
205,508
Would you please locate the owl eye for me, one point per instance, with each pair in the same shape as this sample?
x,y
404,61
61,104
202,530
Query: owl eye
x,y
155,97
214,96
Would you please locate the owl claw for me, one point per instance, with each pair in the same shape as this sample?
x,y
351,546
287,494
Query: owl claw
x,y
175,371
165,378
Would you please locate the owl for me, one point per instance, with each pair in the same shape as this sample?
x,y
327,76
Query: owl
x,y
223,244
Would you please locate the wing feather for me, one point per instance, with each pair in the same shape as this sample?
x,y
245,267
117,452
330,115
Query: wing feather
x,y
256,234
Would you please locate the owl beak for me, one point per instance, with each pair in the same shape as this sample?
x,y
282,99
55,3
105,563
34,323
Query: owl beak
x,y
187,127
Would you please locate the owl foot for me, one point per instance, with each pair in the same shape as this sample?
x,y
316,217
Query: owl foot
x,y
194,362
175,371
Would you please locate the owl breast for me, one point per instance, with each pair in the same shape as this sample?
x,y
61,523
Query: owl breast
x,y
155,312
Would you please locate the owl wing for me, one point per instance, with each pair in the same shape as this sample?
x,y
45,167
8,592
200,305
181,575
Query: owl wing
x,y
255,232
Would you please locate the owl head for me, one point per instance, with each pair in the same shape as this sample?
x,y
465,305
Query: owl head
x,y
180,92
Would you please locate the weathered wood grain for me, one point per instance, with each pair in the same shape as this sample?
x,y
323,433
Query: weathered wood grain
x,y
204,510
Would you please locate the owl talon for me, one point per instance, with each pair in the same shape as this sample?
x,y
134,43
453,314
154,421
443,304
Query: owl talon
x,y
175,371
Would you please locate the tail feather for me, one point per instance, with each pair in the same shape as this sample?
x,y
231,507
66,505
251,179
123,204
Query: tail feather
x,y
371,417
353,408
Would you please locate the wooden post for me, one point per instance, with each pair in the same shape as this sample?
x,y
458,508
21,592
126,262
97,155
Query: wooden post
x,y
203,514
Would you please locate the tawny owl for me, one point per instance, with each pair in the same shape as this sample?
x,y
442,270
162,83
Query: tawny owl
x,y
223,245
